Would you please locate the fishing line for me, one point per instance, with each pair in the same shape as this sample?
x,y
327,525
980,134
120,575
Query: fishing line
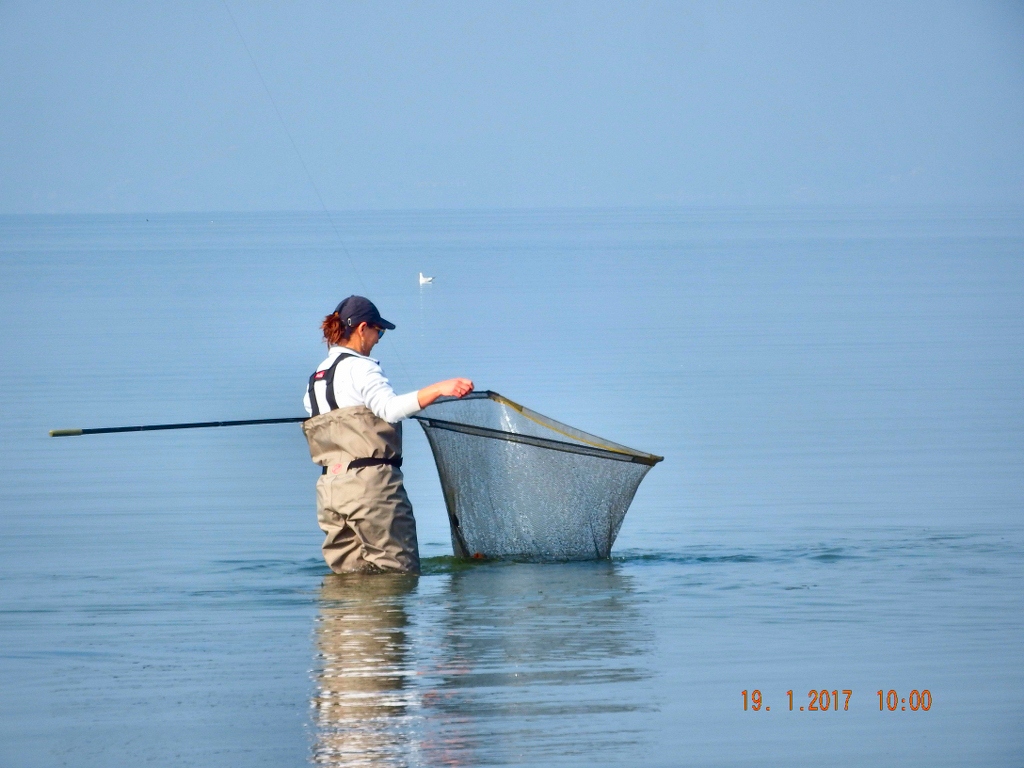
x,y
305,168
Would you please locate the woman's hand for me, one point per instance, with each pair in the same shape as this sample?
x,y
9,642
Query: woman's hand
x,y
454,387
449,388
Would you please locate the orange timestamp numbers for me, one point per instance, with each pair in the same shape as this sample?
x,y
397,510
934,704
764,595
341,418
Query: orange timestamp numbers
x,y
820,701
825,700
917,700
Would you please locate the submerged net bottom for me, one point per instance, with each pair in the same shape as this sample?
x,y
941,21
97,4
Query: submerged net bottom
x,y
515,492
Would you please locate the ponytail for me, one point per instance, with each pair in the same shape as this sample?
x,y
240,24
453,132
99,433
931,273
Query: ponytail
x,y
334,331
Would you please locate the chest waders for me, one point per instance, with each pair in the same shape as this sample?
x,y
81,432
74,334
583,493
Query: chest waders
x,y
361,503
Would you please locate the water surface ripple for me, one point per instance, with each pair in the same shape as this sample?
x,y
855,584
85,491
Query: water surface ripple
x,y
838,394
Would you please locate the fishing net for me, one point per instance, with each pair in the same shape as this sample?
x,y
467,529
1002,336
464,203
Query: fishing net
x,y
518,484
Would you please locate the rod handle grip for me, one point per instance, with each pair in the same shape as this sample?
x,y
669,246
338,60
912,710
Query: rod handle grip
x,y
65,432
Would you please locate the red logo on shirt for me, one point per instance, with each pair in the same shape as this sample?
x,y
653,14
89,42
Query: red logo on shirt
x,y
336,469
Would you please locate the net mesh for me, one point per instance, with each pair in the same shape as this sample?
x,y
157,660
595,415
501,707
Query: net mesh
x,y
518,484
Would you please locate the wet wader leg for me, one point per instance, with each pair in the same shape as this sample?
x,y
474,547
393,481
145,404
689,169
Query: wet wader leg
x,y
386,525
342,547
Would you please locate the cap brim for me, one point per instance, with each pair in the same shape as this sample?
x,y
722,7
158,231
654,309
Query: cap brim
x,y
385,324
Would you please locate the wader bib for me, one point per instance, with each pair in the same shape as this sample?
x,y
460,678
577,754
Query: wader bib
x,y
361,503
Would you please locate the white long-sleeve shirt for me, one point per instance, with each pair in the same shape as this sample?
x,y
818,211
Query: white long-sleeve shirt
x,y
359,380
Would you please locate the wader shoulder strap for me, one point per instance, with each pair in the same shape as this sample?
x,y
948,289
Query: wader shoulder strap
x,y
326,376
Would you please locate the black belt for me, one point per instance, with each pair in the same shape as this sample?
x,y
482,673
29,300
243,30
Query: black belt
x,y
357,463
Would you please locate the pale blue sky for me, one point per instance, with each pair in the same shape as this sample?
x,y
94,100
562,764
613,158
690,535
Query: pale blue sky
x,y
156,107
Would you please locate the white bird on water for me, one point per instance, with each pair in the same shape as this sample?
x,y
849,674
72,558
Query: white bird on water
x,y
425,280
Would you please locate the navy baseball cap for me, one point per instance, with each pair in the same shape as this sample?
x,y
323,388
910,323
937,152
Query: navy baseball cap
x,y
359,309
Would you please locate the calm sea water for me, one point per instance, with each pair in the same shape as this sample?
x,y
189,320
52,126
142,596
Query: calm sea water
x,y
839,395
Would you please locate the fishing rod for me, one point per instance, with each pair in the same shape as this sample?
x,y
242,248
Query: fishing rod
x,y
189,425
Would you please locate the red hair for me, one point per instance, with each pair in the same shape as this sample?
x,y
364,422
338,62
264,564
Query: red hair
x,y
334,332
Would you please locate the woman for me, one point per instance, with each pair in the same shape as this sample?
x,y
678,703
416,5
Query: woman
x,y
356,436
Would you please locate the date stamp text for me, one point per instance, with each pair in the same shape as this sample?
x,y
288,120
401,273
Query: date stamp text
x,y
826,700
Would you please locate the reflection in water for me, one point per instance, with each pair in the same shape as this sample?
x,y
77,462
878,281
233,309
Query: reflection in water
x,y
493,663
535,663
362,700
